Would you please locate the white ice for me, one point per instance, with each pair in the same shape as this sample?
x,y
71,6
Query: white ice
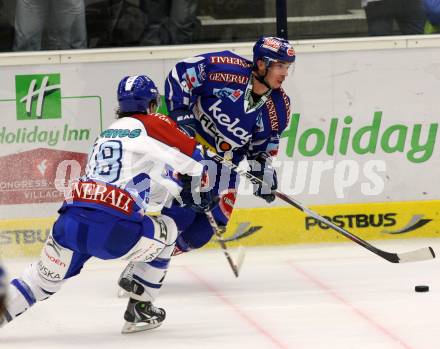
x,y
306,296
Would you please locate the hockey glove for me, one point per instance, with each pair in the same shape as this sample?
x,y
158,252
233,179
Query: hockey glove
x,y
262,169
193,197
186,121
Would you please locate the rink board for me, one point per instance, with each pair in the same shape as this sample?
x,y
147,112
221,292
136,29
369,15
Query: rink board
x,y
364,129
372,221
280,225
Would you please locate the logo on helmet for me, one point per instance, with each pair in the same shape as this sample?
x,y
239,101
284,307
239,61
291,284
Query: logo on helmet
x,y
290,52
130,81
271,44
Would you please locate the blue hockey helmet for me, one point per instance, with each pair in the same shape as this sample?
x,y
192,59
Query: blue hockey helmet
x,y
432,11
271,48
135,93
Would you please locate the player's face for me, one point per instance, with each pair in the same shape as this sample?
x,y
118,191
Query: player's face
x,y
277,73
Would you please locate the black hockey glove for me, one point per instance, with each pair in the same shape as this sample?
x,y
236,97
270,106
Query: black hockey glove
x,y
262,169
186,121
193,197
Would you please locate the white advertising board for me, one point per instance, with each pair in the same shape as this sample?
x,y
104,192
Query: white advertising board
x,y
364,126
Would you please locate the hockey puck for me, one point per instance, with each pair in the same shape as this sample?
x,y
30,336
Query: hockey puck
x,y
422,288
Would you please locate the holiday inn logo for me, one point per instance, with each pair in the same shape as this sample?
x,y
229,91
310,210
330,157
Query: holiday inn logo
x,y
40,116
416,140
38,96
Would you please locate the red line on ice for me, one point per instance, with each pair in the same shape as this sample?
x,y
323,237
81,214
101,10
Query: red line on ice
x,y
356,310
227,302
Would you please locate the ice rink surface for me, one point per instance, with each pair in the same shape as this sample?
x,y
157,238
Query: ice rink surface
x,y
307,296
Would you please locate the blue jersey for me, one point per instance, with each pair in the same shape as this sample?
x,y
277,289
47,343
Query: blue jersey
x,y
216,88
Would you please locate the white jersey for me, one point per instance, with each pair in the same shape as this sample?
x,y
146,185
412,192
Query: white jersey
x,y
139,155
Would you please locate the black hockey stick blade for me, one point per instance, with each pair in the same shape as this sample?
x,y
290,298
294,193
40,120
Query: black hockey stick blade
x,y
244,234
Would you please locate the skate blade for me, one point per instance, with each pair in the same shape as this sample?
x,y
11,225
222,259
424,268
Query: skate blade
x,y
131,327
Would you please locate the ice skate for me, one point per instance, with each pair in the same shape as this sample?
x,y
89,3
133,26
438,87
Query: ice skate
x,y
141,316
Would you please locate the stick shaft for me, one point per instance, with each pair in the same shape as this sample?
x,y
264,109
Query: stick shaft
x,y
216,229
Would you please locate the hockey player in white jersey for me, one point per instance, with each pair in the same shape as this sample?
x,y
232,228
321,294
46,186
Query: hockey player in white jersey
x,y
138,165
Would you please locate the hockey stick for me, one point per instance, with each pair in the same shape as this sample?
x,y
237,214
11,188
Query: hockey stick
x,y
421,254
242,232
234,266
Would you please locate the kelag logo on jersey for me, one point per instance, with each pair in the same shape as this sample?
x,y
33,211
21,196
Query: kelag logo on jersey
x,y
225,129
226,92
231,125
38,96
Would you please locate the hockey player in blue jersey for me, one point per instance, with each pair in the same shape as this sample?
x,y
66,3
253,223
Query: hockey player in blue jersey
x,y
238,109
138,165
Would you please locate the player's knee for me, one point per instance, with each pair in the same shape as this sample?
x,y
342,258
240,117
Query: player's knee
x,y
54,263
171,230
163,234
